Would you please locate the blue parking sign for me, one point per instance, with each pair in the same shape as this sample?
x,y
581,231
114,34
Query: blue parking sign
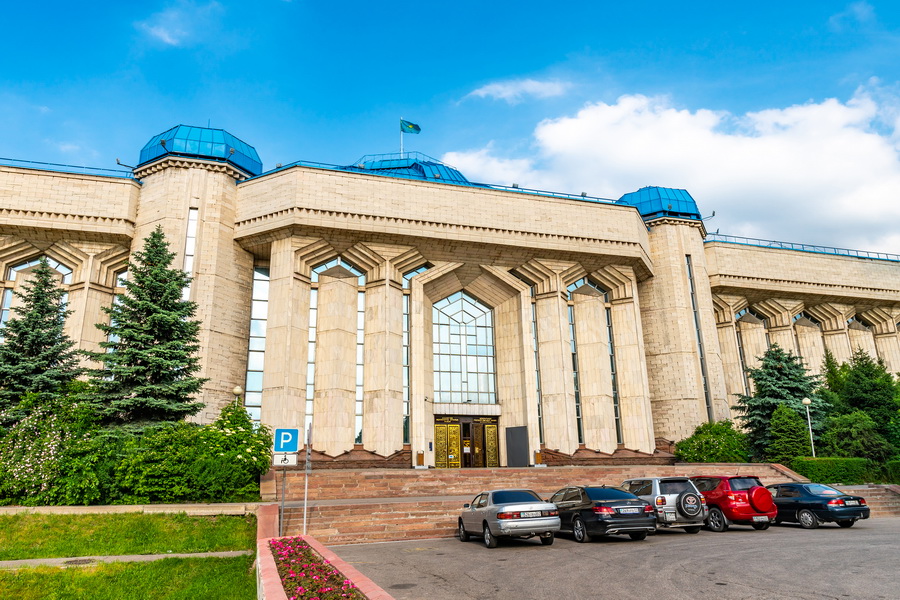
x,y
287,440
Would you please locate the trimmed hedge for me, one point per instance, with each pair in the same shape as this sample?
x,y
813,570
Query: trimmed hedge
x,y
849,471
892,471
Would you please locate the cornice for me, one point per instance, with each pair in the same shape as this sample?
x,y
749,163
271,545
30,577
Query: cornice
x,y
762,283
62,218
183,162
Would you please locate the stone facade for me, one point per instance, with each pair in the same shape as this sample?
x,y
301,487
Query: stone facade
x,y
609,328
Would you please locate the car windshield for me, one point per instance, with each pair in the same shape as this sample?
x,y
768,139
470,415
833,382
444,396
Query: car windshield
x,y
675,487
508,496
823,490
740,484
609,493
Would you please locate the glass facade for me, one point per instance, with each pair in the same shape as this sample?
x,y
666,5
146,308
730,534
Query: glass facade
x,y
464,366
13,272
407,278
256,347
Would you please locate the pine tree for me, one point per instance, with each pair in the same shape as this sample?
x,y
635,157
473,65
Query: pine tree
x,y
869,387
790,436
150,357
780,379
36,355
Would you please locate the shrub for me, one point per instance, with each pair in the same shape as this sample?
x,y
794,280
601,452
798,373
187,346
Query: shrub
x,y
850,471
856,435
790,436
714,442
892,471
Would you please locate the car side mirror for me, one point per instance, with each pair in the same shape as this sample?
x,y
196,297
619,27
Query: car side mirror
x,y
466,505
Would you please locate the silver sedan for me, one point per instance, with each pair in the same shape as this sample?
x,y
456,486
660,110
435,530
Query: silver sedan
x,y
508,513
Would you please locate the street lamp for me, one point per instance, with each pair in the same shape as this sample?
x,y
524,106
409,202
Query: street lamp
x,y
806,403
238,391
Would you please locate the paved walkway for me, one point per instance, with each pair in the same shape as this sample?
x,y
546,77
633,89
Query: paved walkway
x,y
88,561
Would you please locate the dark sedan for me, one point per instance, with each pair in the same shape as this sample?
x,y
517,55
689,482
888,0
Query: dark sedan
x,y
590,511
812,503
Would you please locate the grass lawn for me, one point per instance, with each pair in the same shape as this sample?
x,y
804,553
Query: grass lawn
x,y
167,579
56,536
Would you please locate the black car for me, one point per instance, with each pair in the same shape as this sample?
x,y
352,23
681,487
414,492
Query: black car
x,y
589,511
812,503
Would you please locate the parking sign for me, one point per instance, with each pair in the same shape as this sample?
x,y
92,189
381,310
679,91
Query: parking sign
x,y
287,440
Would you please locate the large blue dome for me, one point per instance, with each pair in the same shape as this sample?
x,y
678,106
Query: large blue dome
x,y
203,142
653,202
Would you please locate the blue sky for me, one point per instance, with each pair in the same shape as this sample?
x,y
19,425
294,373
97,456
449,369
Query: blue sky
x,y
780,116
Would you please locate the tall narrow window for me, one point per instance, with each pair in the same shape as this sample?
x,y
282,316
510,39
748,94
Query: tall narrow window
x,y
700,347
256,347
613,373
573,344
190,248
464,366
407,278
532,289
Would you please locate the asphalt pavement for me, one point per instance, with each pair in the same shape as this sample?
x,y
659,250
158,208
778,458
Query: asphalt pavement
x,y
784,561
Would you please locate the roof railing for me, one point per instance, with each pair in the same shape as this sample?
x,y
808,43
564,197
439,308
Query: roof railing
x,y
61,168
745,241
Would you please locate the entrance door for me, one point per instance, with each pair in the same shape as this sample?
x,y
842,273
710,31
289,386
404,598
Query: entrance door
x,y
467,442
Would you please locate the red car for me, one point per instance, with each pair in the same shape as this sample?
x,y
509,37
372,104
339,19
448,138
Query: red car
x,y
739,500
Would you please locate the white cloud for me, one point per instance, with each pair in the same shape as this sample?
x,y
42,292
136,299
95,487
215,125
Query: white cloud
x,y
857,13
184,24
515,91
823,172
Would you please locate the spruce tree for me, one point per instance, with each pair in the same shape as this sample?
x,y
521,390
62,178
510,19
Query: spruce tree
x,y
36,355
868,386
780,379
150,357
790,436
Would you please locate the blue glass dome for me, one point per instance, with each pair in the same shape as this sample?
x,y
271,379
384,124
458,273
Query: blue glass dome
x,y
653,202
203,142
411,164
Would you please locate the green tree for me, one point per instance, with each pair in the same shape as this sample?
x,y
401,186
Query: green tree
x,y
855,436
150,357
869,387
834,375
714,442
36,355
780,379
789,434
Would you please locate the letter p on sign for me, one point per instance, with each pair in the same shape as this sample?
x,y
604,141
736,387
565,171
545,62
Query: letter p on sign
x,y
287,440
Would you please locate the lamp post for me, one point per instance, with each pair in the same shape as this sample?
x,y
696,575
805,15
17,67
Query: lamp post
x,y
806,403
238,391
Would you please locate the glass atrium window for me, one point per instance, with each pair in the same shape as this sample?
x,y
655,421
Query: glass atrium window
x,y
256,347
407,279
12,274
464,367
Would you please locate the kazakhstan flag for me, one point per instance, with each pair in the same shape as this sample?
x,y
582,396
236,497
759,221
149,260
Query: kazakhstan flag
x,y
408,127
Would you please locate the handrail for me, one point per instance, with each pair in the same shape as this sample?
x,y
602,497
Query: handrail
x,y
745,241
78,169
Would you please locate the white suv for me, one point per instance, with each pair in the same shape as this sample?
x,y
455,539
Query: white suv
x,y
677,501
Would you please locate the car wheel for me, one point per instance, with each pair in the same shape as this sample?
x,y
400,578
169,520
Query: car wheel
x,y
638,535
716,520
579,530
463,536
692,529
688,504
760,526
489,540
547,540
807,519
846,524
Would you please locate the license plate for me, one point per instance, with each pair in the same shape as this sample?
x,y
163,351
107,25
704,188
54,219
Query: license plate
x,y
629,511
760,519
851,502
670,516
530,513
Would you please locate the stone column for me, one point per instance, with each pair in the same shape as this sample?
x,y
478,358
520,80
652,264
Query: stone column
x,y
383,397
753,337
726,327
780,315
861,337
287,339
812,348
834,328
334,407
598,417
884,326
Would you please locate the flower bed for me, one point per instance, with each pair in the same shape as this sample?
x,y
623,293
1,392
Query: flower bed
x,y
307,576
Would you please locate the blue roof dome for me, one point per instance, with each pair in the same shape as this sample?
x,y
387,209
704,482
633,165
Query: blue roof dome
x,y
411,164
203,142
653,202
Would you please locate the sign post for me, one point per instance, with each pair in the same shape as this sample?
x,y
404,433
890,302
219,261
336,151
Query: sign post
x,y
286,443
306,475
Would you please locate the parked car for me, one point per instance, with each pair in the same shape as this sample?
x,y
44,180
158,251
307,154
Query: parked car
x,y
737,500
677,501
508,513
590,511
812,503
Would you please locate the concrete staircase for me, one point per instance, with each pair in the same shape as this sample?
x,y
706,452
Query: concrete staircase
x,y
354,506
883,500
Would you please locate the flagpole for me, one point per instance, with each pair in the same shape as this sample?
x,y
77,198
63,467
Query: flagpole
x,y
401,137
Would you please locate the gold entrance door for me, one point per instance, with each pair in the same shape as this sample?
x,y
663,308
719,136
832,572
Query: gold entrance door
x,y
446,443
466,442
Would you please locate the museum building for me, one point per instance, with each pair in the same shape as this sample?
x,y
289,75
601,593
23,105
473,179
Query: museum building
x,y
412,318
